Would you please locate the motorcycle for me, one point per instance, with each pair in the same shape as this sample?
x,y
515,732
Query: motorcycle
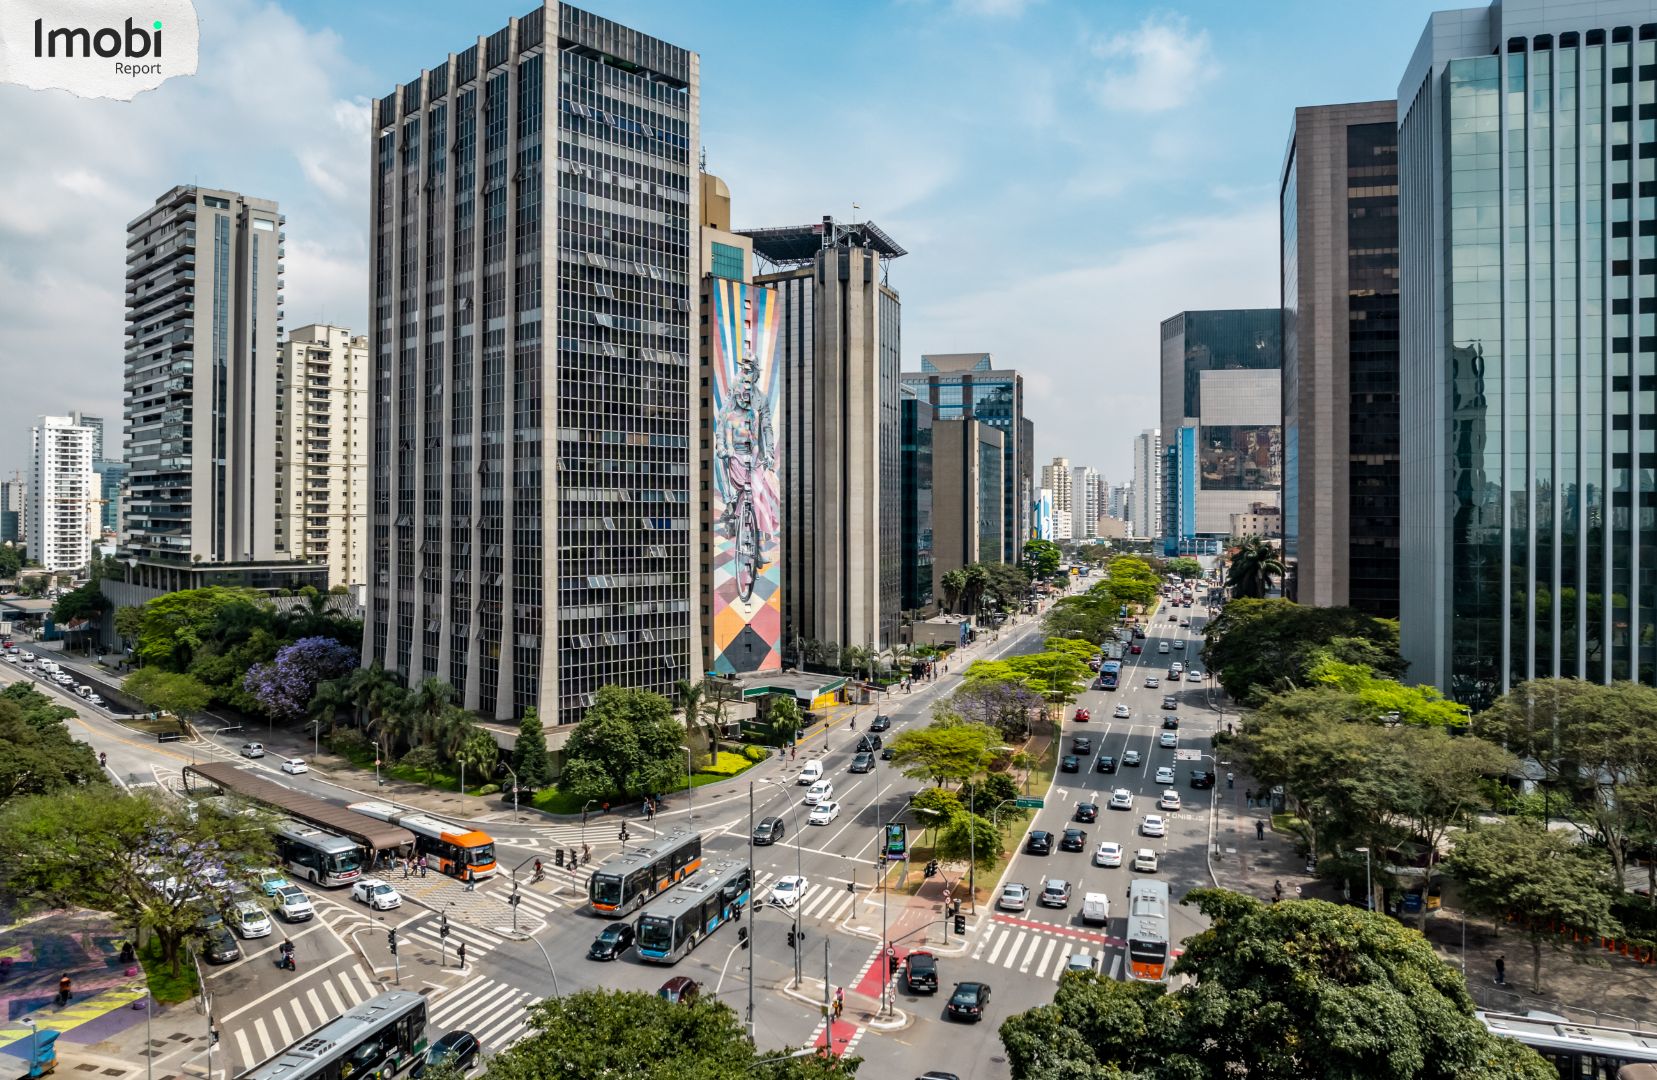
x,y
284,958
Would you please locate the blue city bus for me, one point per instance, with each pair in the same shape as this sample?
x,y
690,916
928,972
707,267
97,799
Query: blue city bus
x,y
1110,674
691,910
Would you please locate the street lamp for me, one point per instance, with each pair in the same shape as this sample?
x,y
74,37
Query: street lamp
x,y
794,823
584,808
690,792
1369,887
514,776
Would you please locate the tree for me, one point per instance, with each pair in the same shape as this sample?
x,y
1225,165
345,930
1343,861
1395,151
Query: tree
x,y
478,751
1255,564
285,687
601,1034
1388,699
1003,705
941,803
38,754
86,602
943,751
1183,567
11,561
1005,586
626,744
954,585
1552,885
691,692
529,756
1441,788
1090,616
1081,650
785,719
176,624
168,691
129,623
1042,558
1057,676
1260,646
990,791
1291,990
969,835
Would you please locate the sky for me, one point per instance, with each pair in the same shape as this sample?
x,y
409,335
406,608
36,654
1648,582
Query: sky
x,y
1064,174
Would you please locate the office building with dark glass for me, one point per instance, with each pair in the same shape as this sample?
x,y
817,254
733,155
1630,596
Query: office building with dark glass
x,y
1339,212
1527,163
915,448
533,277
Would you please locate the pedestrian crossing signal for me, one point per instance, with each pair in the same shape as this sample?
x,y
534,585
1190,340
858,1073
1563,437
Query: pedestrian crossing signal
x,y
932,868
792,938
960,924
742,936
391,939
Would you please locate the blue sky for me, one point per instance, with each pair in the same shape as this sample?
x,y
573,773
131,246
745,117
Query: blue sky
x,y
1064,173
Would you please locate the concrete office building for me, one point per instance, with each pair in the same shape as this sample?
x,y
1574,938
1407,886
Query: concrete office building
x,y
63,517
918,511
1088,496
1056,478
111,473
1338,202
533,422
1121,495
13,516
325,447
968,457
839,342
1143,501
969,385
1221,376
1526,158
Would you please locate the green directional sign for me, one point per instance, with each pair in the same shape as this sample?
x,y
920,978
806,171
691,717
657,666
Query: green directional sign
x,y
1035,803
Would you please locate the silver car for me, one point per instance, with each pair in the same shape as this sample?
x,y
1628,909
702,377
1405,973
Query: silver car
x,y
1014,897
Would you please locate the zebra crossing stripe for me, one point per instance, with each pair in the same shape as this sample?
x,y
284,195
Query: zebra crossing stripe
x,y
1002,941
1024,968
1046,957
243,1047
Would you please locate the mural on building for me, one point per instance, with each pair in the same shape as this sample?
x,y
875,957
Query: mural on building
x,y
747,580
1041,522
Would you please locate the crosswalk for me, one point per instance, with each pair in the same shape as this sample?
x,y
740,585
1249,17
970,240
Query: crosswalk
x,y
253,1037
495,1012
1043,954
821,901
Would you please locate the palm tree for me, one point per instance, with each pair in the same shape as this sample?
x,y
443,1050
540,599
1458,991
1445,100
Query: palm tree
x,y
977,579
690,699
367,687
853,657
1254,565
722,692
785,718
332,697
428,707
953,583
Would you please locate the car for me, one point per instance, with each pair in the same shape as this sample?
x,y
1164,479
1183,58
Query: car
x,y
969,1001
769,831
824,812
880,723
249,919
1193,675
1136,648
1107,763
253,750
1040,842
293,905
1144,861
1152,682
1170,723
1073,840
1185,622
681,990
864,762
1131,758
1170,702
218,944
1170,800
214,877
1179,646
1108,853
1054,893
1153,825
268,881
1081,744
1172,617
1070,763
1202,778
63,678
94,698
1165,775
294,766
1014,897
1139,631
1078,962
920,972
1122,712
886,753
821,791
1087,811
1173,675
611,942
870,742
377,894
27,657
1168,740
810,773
1121,799
1083,716
458,1048
11,658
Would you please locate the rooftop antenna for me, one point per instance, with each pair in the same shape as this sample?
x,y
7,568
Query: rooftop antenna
x,y
855,209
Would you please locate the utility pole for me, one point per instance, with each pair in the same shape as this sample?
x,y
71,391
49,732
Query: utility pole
x,y
753,924
828,1004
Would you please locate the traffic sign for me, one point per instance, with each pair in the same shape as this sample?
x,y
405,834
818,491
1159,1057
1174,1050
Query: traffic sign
x,y
1034,802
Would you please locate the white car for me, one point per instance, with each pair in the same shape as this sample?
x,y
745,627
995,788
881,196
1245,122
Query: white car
x,y
1122,712
253,750
11,658
63,678
812,773
1168,740
1169,800
1165,775
788,890
1144,861
1121,799
295,766
1108,854
94,698
376,894
1152,682
1153,825
1131,757
821,791
823,813
1180,644
250,920
1193,675
293,905
28,657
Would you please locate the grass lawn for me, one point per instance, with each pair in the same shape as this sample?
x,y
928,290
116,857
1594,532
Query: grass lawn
x,y
164,988
729,766
435,778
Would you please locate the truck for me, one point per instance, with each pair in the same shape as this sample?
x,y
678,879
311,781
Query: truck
x,y
1095,909
1113,650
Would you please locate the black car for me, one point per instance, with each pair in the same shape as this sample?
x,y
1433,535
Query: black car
x,y
1107,763
880,723
969,1001
218,944
1087,811
1170,723
1139,632
1070,763
457,1048
1081,744
769,830
1073,840
1170,702
920,971
934,1074
869,743
611,942
1201,778
863,762
1039,843
886,754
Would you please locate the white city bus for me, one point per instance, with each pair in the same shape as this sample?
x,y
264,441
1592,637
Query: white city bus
x,y
1147,931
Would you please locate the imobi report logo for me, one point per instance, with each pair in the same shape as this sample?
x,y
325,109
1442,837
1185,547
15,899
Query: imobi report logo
x,y
96,48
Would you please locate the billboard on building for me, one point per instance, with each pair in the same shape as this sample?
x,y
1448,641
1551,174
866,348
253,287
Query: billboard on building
x,y
747,519
1042,513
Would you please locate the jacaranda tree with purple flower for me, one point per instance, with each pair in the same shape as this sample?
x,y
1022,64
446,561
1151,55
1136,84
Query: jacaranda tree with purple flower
x,y
284,686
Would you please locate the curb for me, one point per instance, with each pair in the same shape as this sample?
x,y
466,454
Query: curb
x,y
900,1021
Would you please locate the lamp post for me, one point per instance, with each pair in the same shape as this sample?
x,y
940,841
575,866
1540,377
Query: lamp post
x,y
514,776
794,823
550,969
584,808
690,792
1369,887
33,1051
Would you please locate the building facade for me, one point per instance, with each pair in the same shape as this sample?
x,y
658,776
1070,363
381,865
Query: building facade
x,y
1526,346
533,283
968,457
1089,496
1056,477
1144,496
63,520
13,515
1338,203
915,419
325,446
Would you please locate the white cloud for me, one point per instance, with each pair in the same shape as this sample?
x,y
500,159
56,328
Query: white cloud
x,y
993,8
1154,68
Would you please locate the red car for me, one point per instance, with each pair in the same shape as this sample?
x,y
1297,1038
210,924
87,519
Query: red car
x,y
1136,649
1082,716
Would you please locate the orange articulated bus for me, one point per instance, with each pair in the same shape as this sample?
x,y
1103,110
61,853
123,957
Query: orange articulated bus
x,y
629,880
1148,944
467,854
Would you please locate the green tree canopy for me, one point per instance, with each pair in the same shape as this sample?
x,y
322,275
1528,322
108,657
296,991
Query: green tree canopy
x,y
38,755
970,835
529,755
1131,580
627,744
176,624
1090,615
1183,567
1057,676
1380,698
86,602
943,751
1042,558
168,691
1259,646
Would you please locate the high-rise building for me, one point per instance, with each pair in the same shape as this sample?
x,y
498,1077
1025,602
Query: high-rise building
x,y
1221,374
112,477
915,417
13,516
1143,501
968,457
204,398
1338,203
1526,162
96,423
63,489
531,485
970,386
839,349
1121,496
1088,496
325,446
1056,478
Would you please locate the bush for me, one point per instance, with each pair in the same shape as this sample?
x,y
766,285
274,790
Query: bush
x,y
488,789
349,742
756,754
727,764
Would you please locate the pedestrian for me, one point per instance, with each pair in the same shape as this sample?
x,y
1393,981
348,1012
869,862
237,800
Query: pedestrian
x,y
1259,829
65,986
460,954
404,861
605,808
586,853
1501,970
1230,780
423,866
1277,891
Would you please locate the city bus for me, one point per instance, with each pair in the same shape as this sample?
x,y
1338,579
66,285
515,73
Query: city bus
x,y
467,854
377,1038
628,880
1110,674
691,911
1576,1050
317,855
1147,931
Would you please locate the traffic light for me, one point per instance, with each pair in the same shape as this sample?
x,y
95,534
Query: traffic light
x,y
792,941
558,857
391,939
622,835
514,898
932,868
960,924
742,936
